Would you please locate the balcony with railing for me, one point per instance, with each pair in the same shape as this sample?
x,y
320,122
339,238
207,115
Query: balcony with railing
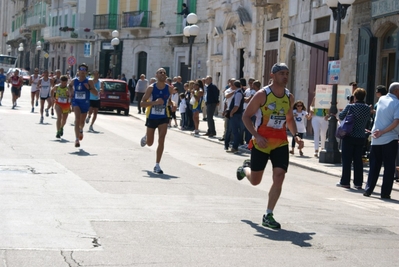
x,y
77,35
36,22
52,33
106,23
136,21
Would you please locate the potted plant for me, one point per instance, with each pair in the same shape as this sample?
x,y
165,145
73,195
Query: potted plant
x,y
86,29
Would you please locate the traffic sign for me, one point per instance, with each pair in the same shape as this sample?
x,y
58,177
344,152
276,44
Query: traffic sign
x,y
71,60
46,55
323,96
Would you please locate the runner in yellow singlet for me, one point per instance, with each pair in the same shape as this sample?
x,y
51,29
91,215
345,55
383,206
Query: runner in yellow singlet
x,y
274,105
62,100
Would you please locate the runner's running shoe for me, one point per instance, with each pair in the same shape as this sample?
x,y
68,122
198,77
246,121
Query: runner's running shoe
x,y
158,170
46,112
269,221
143,141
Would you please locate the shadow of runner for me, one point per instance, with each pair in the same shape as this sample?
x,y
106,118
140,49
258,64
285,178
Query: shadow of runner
x,y
83,153
163,176
295,238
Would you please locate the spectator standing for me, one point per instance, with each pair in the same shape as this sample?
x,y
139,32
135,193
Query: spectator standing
x,y
384,142
352,144
300,116
236,110
198,94
184,12
179,85
123,78
320,126
132,87
248,94
212,101
182,110
229,94
141,86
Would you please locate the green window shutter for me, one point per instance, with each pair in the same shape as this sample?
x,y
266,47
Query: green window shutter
x,y
13,26
66,20
73,20
113,14
179,18
143,5
33,39
192,8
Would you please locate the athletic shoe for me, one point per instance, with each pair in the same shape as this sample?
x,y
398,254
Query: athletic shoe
x,y
143,141
269,221
33,110
342,185
158,170
37,103
58,135
52,112
247,163
91,128
46,112
62,131
87,119
41,120
358,187
77,144
232,150
240,173
80,135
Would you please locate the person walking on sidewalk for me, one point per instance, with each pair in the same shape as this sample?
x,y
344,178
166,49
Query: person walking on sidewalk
x,y
212,101
157,98
384,142
270,137
80,88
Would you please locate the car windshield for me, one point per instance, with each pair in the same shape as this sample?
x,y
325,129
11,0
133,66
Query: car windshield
x,y
114,87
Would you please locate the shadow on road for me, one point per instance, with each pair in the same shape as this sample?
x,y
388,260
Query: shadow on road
x,y
295,238
81,153
151,174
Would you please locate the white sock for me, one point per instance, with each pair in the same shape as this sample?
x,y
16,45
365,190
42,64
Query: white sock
x,y
157,165
269,211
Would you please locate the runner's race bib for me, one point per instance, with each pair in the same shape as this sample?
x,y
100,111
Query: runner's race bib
x,y
158,110
62,100
80,95
276,121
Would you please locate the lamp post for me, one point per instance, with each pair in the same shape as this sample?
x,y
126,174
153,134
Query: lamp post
x,y
21,50
114,42
191,32
39,49
331,154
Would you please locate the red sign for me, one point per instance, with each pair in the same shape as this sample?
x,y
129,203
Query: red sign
x,y
71,60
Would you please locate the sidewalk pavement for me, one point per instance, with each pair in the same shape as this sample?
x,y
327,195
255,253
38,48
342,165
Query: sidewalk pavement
x,y
308,160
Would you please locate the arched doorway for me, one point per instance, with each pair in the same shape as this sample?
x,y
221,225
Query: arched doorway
x,y
142,64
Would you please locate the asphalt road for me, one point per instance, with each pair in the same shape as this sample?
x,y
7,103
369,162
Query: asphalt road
x,y
101,204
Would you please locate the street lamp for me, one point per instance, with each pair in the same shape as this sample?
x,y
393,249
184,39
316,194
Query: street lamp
x,y
191,32
114,42
21,50
38,48
331,154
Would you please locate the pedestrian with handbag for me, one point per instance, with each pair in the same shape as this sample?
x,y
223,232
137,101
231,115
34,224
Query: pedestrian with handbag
x,y
353,141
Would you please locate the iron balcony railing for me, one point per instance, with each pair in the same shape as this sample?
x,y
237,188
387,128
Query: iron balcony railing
x,y
106,21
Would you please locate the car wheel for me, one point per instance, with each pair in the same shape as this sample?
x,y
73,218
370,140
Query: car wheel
x,y
126,113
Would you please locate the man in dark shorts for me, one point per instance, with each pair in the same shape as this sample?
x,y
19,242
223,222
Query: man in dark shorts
x,y
157,114
16,84
275,103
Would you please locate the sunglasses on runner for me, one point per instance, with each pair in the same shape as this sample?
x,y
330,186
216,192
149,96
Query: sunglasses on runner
x,y
83,69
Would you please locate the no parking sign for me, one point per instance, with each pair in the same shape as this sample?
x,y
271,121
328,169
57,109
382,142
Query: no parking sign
x,y
71,60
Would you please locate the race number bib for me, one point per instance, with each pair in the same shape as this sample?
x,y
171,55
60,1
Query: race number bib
x,y
62,100
158,110
80,95
276,121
